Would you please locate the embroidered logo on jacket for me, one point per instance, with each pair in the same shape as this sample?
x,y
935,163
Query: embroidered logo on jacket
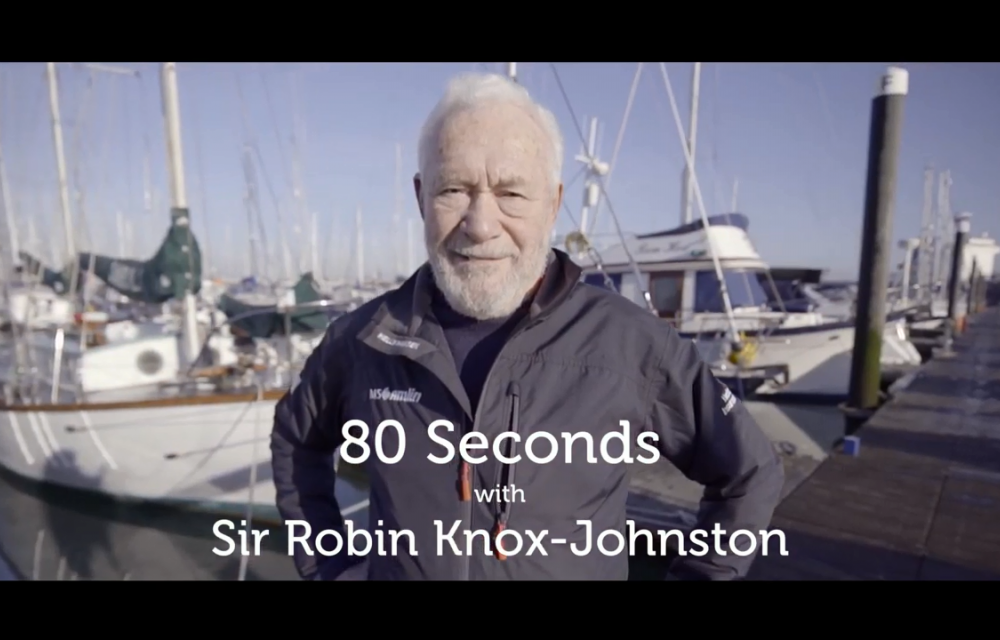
x,y
728,401
410,395
396,342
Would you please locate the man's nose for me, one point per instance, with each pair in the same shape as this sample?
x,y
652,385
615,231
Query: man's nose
x,y
482,220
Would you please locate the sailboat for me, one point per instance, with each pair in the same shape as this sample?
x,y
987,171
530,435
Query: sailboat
x,y
32,293
176,417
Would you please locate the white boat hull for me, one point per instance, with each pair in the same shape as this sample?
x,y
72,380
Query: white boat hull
x,y
38,308
198,455
818,361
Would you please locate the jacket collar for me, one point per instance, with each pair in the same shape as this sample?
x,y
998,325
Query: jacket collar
x,y
403,325
404,310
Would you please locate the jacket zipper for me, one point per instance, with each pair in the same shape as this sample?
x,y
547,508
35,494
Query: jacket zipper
x,y
502,508
466,483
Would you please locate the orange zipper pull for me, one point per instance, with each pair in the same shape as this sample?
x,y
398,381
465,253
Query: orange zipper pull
x,y
497,547
466,482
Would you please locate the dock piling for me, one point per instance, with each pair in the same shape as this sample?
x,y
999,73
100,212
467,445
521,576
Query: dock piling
x,y
953,323
883,154
962,227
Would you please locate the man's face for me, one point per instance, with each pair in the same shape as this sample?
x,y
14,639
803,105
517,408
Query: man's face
x,y
489,204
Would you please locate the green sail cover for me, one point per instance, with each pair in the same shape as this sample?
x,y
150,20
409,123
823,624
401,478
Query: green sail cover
x,y
175,269
266,321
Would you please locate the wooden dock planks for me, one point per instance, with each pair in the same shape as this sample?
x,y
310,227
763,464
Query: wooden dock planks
x,y
922,499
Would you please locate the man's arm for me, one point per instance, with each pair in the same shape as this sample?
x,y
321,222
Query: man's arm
x,y
710,436
305,435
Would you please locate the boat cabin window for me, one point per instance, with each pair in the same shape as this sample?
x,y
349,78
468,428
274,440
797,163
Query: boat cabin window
x,y
790,295
597,280
665,289
743,287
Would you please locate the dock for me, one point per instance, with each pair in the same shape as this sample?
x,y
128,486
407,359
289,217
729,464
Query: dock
x,y
921,499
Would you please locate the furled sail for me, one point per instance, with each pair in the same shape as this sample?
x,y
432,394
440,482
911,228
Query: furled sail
x,y
172,271
55,280
267,320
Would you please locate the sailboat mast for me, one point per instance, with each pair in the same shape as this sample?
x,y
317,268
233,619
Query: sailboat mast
x,y
250,199
687,215
360,249
57,138
300,203
333,244
314,247
8,209
120,224
925,252
228,236
298,182
178,192
591,190
945,229
397,215
147,182
409,246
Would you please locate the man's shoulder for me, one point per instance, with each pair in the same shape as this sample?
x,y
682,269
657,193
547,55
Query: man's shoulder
x,y
628,334
634,338
604,303
350,324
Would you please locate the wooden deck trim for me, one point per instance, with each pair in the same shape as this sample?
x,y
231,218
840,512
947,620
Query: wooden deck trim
x,y
150,403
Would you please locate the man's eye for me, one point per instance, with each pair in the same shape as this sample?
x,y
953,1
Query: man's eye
x,y
510,194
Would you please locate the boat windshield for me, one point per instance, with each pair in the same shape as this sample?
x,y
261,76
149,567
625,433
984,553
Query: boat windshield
x,y
744,290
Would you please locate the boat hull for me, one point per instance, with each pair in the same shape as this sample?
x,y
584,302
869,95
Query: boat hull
x,y
814,360
212,457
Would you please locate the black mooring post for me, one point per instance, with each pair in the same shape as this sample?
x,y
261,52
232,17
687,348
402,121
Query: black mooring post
x,y
873,274
970,303
984,285
951,327
962,225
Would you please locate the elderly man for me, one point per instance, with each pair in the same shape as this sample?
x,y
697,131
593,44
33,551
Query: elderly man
x,y
497,336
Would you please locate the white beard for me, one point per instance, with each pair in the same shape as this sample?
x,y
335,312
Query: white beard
x,y
486,291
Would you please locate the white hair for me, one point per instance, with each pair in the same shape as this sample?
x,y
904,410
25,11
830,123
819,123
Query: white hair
x,y
470,90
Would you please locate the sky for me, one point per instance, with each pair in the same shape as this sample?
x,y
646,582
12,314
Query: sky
x,y
791,137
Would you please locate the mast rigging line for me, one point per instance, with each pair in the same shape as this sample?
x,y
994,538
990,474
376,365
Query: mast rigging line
x,y
600,183
251,143
621,137
274,126
696,188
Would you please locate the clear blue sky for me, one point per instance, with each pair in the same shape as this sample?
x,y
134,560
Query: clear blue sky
x,y
793,134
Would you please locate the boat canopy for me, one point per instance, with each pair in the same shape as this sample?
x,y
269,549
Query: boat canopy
x,y
738,220
268,320
724,235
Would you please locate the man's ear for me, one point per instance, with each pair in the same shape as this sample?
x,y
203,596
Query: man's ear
x,y
416,189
